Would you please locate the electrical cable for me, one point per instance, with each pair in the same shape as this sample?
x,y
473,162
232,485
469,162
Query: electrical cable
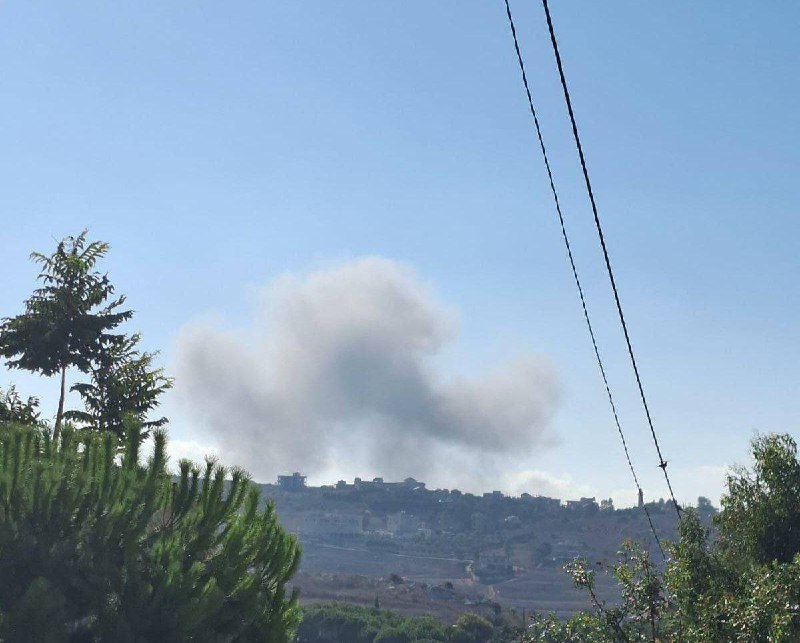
x,y
565,237
662,464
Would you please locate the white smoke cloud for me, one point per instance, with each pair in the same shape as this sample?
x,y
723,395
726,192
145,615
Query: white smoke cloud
x,y
340,374
545,484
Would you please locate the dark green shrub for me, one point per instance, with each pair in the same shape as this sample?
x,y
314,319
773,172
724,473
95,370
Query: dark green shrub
x,y
94,547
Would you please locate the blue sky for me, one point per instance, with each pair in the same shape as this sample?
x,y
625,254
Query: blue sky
x,y
218,146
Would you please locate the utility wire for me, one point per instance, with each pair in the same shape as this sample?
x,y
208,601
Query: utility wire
x,y
565,236
662,463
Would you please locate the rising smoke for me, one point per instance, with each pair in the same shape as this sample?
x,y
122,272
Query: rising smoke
x,y
339,374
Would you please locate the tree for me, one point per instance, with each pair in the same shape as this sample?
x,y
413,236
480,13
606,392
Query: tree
x,y
123,385
15,410
471,628
97,549
339,622
760,518
704,505
68,320
742,584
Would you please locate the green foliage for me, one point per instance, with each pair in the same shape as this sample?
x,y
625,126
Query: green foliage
x,y
15,410
338,622
68,319
581,628
94,547
471,628
760,521
743,585
639,616
123,385
643,596
335,622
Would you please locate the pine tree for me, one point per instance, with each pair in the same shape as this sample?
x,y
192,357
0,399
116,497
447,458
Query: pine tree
x,y
93,548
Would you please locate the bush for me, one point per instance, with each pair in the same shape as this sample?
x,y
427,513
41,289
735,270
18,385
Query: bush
x,y
96,547
340,622
394,635
471,628
742,586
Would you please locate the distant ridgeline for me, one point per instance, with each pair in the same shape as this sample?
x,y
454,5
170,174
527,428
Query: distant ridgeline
x,y
297,482
492,531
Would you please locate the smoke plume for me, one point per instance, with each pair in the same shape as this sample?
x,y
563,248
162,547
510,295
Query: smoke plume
x,y
339,374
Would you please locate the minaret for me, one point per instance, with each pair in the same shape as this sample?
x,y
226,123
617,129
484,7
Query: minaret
x,y
641,498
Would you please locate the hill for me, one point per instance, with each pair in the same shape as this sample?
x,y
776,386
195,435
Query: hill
x,y
457,549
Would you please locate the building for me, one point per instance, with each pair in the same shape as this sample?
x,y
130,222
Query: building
x,y
582,504
375,483
359,484
542,503
414,485
294,482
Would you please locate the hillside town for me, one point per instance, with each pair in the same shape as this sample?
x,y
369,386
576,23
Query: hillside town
x,y
509,548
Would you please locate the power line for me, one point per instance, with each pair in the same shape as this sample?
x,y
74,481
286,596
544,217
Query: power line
x,y
565,236
662,463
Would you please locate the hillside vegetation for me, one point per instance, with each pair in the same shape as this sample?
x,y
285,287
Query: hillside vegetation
x,y
336,622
